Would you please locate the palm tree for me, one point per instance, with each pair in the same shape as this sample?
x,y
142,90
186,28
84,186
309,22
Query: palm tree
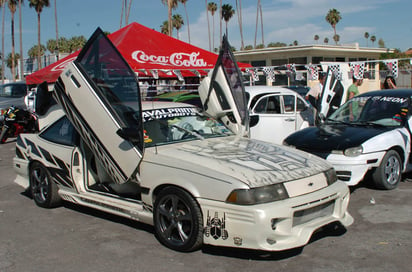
x,y
208,24
171,4
220,20
366,35
381,43
12,62
21,74
333,17
227,13
240,20
38,5
57,30
3,4
164,28
316,38
336,38
212,7
177,23
326,40
373,39
12,4
187,17
259,12
76,43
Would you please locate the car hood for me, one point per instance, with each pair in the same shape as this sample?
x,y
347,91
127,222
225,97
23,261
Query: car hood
x,y
328,137
252,162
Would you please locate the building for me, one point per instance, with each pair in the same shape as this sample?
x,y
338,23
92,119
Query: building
x,y
302,55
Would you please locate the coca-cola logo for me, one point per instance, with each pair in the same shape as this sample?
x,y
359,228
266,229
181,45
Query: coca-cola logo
x,y
62,65
175,59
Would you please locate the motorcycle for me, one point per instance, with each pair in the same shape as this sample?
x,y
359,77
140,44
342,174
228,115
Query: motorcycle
x,y
14,121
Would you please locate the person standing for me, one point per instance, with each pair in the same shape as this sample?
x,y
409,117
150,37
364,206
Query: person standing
x,y
353,91
315,92
389,83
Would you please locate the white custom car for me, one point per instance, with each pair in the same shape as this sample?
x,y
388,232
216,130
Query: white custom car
x,y
168,165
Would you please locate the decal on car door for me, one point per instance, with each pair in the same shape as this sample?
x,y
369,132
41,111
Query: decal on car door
x,y
100,94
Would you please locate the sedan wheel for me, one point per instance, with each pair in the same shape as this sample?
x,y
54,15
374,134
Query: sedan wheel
x,y
43,190
178,220
388,174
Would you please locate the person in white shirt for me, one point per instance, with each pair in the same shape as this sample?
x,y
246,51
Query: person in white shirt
x,y
314,93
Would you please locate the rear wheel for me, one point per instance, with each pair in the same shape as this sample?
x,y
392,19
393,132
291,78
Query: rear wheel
x,y
388,174
43,190
178,220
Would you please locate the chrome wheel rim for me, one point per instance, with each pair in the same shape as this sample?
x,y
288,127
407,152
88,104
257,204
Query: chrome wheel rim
x,y
40,185
392,170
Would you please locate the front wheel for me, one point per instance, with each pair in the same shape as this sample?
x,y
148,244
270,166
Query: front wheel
x,y
43,190
388,174
178,220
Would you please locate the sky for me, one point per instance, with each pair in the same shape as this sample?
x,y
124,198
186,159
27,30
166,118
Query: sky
x,y
283,21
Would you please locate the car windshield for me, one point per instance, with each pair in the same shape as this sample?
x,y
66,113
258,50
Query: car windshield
x,y
171,125
372,110
13,90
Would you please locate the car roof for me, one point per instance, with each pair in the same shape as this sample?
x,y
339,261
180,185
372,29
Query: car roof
x,y
261,89
392,92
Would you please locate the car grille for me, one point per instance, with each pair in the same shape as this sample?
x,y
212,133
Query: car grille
x,y
304,216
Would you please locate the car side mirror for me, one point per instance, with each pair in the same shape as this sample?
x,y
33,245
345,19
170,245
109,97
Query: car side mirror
x,y
254,119
132,135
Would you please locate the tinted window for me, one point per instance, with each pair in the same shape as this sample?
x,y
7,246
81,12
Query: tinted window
x,y
13,90
269,104
289,101
61,132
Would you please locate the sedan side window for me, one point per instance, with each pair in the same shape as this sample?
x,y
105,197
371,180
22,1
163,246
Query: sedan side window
x,y
289,101
300,105
270,105
61,132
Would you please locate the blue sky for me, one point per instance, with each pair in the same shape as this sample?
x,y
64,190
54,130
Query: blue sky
x,y
284,21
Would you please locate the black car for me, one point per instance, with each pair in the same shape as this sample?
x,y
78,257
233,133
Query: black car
x,y
12,94
369,133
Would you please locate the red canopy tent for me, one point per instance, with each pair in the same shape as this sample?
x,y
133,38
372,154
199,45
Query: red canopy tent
x,y
148,52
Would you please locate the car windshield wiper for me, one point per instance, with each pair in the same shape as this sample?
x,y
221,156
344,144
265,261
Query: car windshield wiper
x,y
368,123
334,121
193,133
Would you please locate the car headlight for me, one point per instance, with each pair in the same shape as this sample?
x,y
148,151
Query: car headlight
x,y
258,195
353,151
331,176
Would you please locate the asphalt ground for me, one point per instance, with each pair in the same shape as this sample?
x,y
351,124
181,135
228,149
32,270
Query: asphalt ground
x,y
72,238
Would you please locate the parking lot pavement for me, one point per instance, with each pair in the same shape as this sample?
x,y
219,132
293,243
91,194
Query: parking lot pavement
x,y
73,238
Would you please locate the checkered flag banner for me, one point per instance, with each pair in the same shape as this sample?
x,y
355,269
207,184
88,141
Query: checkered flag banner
x,y
269,72
299,76
253,73
313,73
291,68
357,69
392,65
335,68
178,74
155,74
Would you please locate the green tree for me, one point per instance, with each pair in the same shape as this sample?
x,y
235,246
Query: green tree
x,y
336,38
77,43
164,28
260,46
38,5
316,38
248,47
12,4
12,61
373,39
381,43
333,17
34,51
276,44
212,7
366,35
177,23
227,14
326,40
187,18
295,43
171,5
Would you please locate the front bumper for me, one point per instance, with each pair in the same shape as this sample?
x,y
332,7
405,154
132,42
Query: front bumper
x,y
352,170
275,226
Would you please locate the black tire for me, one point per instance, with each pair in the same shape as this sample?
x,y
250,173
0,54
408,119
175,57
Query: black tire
x,y
178,220
3,134
388,175
43,190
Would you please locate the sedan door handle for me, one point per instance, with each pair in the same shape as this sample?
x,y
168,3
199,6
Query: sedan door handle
x,y
290,120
